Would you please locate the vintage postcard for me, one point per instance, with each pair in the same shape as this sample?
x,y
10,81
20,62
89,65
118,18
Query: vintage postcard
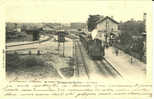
x,y
76,49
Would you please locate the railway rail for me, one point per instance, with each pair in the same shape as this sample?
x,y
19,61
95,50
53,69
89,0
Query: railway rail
x,y
107,68
81,68
26,44
29,43
113,67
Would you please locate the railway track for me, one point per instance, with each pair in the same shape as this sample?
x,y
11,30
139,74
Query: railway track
x,y
113,67
108,69
31,43
81,68
26,46
34,42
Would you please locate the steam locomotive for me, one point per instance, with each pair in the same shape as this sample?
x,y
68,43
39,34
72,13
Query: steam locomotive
x,y
94,48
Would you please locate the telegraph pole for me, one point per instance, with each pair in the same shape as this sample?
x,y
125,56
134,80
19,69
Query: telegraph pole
x,y
61,39
145,32
63,48
106,32
106,36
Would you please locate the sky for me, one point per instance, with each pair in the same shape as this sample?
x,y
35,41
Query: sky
x,y
66,11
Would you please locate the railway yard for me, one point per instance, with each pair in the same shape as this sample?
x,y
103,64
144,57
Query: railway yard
x,y
71,62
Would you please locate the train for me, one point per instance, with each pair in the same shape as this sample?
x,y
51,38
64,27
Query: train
x,y
95,49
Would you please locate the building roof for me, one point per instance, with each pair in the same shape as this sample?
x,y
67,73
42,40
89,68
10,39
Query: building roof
x,y
107,17
34,30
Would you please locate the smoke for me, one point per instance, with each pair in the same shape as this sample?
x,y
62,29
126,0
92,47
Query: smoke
x,y
94,33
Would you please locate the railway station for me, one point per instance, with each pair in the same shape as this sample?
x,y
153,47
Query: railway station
x,y
75,54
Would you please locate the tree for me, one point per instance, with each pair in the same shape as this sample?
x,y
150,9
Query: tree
x,y
132,27
129,30
10,27
92,21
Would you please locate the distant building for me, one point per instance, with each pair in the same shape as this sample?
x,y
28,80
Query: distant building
x,y
78,25
48,28
106,26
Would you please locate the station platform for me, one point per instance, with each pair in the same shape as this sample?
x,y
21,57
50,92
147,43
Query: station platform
x,y
10,44
131,71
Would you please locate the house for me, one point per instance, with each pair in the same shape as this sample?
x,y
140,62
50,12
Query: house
x,y
106,27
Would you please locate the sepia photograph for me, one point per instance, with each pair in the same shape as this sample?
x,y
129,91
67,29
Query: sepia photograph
x,y
76,49
75,40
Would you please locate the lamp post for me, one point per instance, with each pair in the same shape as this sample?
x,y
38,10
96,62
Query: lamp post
x,y
106,34
144,33
144,42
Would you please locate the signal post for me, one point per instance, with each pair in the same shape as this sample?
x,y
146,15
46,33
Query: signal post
x,y
61,39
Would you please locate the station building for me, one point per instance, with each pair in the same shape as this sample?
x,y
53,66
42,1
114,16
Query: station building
x,y
106,27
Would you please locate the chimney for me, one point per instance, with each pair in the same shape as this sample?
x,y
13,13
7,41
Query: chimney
x,y
144,19
144,16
